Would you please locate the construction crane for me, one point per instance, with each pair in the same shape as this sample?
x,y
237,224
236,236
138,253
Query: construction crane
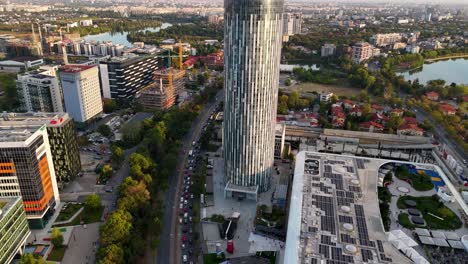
x,y
180,56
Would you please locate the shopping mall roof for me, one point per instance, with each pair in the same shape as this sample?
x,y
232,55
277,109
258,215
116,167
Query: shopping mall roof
x,y
329,217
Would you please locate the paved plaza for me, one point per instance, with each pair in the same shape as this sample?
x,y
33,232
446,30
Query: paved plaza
x,y
246,208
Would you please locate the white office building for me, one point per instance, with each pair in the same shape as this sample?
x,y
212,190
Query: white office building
x,y
81,91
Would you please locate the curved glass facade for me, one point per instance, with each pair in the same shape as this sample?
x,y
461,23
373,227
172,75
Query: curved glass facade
x,y
252,39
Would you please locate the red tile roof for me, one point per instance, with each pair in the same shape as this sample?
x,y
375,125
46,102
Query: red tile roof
x,y
446,108
410,127
432,95
410,120
368,124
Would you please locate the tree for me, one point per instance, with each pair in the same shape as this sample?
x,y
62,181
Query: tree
x,y
117,228
93,202
138,159
104,130
117,154
109,105
29,258
112,254
56,237
288,82
293,100
106,171
395,121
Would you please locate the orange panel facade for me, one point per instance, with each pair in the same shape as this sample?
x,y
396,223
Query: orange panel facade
x,y
47,188
7,168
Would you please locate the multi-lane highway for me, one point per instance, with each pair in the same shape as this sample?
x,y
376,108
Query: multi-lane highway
x,y
169,250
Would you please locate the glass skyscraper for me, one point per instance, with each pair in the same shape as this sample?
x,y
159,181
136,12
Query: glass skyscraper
x,y
252,39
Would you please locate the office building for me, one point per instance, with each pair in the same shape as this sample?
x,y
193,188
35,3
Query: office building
x,y
361,52
28,171
328,50
163,92
40,91
81,91
14,228
382,40
122,77
20,64
251,71
61,132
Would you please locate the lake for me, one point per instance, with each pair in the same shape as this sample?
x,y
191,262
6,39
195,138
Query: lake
x,y
451,71
121,37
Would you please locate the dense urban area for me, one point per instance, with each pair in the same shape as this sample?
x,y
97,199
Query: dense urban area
x,y
233,131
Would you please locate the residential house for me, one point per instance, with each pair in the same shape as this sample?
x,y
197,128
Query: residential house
x,y
447,109
371,126
338,119
377,109
356,111
410,130
410,120
347,104
397,112
380,118
433,96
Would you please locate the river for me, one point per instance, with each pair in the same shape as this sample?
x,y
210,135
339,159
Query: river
x,y
121,37
451,71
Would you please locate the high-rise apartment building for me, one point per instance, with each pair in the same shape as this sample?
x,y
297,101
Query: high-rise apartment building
x,y
292,23
40,91
27,170
361,52
381,40
328,50
252,39
81,91
14,228
122,77
61,132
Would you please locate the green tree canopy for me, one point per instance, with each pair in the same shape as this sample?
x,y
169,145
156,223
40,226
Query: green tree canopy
x,y
112,254
104,130
56,237
117,227
93,202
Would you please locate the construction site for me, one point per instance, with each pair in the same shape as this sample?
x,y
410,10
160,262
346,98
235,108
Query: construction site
x,y
168,84
162,94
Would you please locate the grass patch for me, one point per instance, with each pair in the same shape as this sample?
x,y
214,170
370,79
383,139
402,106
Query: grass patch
x,y
87,216
2,204
431,205
68,212
403,219
420,181
56,254
213,258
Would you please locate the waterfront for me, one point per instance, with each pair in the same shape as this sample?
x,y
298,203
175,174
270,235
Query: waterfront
x,y
451,71
121,37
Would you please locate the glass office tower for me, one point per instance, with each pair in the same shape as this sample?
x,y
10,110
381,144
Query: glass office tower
x,y
252,39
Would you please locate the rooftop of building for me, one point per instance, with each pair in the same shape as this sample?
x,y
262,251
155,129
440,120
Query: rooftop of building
x,y
334,214
75,68
5,204
32,120
16,134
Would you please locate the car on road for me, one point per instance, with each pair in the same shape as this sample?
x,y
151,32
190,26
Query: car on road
x,y
184,258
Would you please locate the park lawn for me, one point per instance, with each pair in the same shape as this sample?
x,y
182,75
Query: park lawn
x,y
213,258
403,219
68,212
57,254
86,216
420,181
427,205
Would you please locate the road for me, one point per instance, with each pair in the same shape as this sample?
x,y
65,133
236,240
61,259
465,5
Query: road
x,y
169,246
455,150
